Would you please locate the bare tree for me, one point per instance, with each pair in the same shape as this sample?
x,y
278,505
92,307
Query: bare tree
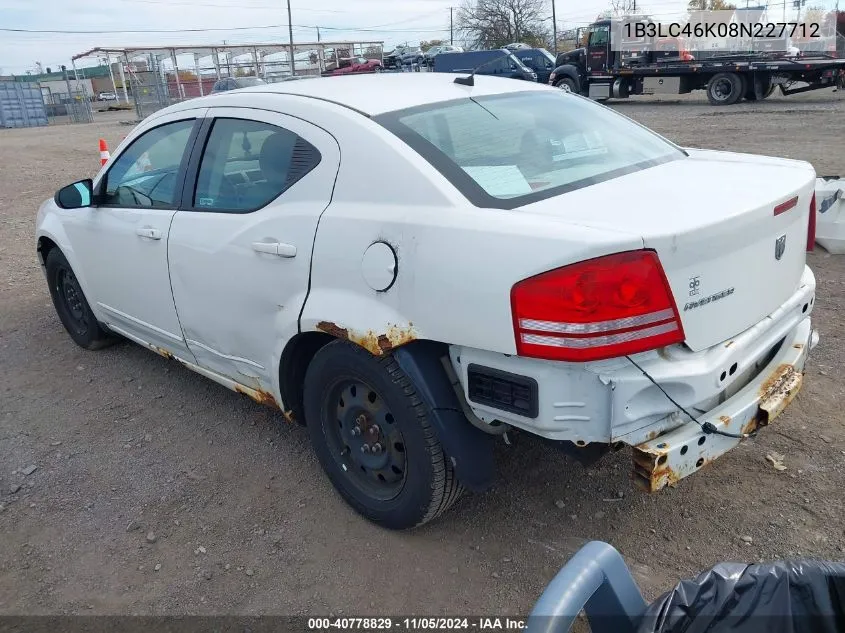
x,y
710,5
495,23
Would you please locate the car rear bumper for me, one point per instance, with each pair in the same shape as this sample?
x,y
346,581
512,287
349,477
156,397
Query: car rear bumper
x,y
676,454
613,401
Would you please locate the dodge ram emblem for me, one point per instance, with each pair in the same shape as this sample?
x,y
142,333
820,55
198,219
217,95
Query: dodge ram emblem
x,y
780,246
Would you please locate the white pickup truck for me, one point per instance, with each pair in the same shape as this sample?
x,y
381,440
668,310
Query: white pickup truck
x,y
413,265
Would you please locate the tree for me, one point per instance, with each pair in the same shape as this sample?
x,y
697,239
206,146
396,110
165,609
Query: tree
x,y
426,44
496,23
710,5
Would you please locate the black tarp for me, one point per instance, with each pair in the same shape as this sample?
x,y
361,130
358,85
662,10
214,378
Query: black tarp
x,y
780,597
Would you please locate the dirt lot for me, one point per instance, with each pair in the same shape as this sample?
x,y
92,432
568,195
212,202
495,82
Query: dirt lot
x,y
160,492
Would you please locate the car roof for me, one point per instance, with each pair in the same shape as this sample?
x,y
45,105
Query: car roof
x,y
384,92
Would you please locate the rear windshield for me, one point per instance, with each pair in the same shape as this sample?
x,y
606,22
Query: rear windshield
x,y
504,151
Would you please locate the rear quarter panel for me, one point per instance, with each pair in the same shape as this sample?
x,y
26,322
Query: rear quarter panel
x,y
456,262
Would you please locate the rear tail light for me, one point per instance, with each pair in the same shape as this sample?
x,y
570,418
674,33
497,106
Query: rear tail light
x,y
600,308
811,225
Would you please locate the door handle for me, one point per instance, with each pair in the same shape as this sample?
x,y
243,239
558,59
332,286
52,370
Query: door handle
x,y
149,233
275,248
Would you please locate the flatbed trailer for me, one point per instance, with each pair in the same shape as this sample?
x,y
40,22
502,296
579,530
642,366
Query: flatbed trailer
x,y
601,74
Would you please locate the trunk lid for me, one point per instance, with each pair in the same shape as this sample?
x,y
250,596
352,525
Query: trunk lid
x,y
730,260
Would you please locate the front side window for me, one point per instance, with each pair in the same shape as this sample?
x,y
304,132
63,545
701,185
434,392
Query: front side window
x,y
246,164
504,151
600,36
145,175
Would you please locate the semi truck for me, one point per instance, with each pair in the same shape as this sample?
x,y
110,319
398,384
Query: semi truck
x,y
599,72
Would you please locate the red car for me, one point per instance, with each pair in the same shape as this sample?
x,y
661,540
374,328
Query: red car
x,y
356,65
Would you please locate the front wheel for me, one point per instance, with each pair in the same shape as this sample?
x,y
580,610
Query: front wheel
x,y
72,306
567,84
372,435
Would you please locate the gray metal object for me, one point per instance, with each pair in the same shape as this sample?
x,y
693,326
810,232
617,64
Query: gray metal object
x,y
662,85
597,581
21,105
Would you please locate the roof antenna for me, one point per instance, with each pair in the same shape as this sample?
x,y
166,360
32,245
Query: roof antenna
x,y
470,81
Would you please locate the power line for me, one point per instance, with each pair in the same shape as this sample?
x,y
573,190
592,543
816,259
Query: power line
x,y
208,30
200,5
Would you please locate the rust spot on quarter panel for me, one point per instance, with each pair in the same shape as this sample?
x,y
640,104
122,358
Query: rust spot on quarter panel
x,y
377,344
330,328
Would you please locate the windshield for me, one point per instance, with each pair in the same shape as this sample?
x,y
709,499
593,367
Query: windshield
x,y
245,82
508,150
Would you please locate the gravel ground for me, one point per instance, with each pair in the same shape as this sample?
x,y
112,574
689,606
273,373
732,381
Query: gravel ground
x,y
157,491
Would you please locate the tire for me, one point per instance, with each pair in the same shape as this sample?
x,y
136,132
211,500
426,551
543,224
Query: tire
x,y
759,87
72,306
725,89
567,84
406,483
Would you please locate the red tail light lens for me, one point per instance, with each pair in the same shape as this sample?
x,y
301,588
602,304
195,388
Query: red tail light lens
x,y
811,226
600,308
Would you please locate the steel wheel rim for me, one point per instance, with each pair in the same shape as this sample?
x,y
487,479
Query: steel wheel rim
x,y
722,90
364,439
71,295
564,86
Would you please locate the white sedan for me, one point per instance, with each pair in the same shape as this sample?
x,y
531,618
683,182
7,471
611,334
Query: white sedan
x,y
415,265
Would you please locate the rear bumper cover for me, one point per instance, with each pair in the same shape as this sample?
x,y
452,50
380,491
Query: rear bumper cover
x,y
736,385
681,452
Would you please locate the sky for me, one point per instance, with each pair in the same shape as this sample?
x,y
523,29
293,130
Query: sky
x,y
237,22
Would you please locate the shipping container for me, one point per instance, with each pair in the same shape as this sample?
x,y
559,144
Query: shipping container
x,y
21,105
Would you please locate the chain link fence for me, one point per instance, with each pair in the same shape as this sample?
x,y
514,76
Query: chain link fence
x,y
72,107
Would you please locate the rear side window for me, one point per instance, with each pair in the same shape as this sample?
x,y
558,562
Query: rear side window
x,y
508,150
247,164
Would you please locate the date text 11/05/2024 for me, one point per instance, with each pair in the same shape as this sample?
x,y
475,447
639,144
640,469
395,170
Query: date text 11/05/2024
x,y
492,623
759,30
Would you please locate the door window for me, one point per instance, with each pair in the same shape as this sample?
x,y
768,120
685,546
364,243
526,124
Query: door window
x,y
600,37
146,174
246,164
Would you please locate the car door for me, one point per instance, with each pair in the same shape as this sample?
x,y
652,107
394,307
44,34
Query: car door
x,y
240,250
121,243
597,49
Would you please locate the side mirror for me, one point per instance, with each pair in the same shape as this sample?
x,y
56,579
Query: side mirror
x,y
75,196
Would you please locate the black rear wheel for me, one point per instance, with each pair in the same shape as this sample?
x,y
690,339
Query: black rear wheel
x,y
759,87
72,306
725,89
372,435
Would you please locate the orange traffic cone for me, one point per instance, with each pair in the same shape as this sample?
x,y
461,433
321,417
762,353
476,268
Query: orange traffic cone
x,y
104,152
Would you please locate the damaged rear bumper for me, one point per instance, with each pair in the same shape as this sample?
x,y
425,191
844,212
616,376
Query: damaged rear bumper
x,y
670,457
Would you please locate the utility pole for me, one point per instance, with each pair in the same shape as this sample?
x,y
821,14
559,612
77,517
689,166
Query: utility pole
x,y
554,29
451,27
290,34
318,33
